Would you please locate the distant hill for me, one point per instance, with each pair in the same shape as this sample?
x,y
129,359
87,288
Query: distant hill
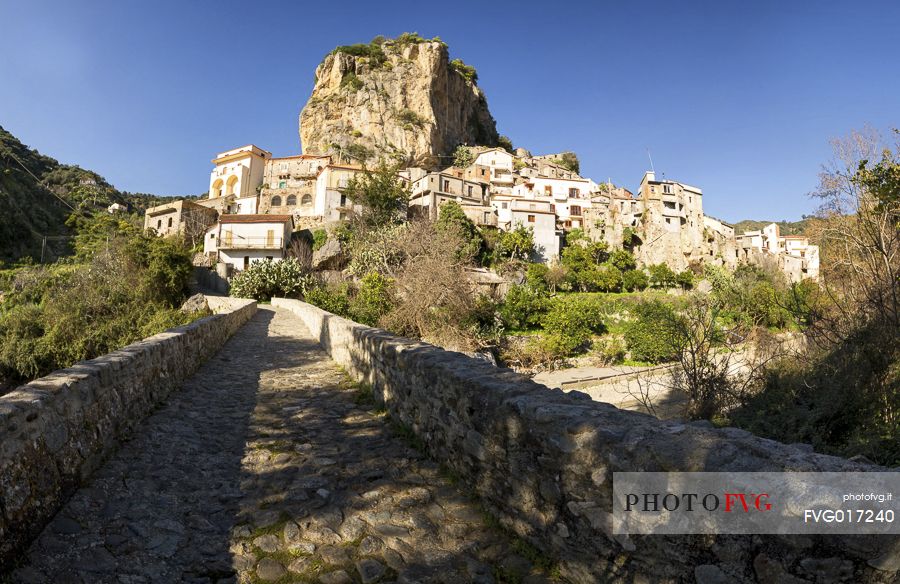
x,y
784,227
38,195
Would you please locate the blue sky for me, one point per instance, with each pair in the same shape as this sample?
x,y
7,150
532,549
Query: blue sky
x,y
739,98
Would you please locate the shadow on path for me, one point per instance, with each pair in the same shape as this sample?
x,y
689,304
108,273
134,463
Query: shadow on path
x,y
269,465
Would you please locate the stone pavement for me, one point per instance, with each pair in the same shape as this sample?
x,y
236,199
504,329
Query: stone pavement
x,y
269,465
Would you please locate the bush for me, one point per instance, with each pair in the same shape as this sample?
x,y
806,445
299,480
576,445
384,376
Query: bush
x,y
320,236
66,314
335,300
536,276
523,307
266,279
607,278
372,300
610,351
685,279
634,280
351,81
572,321
467,71
650,337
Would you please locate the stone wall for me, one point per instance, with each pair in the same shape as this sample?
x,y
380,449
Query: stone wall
x,y
542,463
56,430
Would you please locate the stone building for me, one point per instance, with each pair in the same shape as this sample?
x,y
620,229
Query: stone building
x,y
433,189
289,184
671,223
179,217
793,254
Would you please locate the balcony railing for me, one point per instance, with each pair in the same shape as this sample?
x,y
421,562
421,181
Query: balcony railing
x,y
245,242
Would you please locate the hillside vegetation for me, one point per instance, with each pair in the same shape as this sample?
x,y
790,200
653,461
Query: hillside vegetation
x,y
40,196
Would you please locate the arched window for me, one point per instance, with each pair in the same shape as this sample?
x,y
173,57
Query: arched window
x,y
232,182
216,189
291,200
159,224
170,222
276,201
306,200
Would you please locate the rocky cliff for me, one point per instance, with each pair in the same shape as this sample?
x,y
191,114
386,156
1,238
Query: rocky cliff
x,y
399,97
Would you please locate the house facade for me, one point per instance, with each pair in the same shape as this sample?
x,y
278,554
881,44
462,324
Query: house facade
x,y
240,240
179,217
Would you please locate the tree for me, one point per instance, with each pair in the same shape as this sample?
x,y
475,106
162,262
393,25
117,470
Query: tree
x,y
517,244
608,278
505,143
463,156
569,161
634,280
661,276
623,260
685,279
452,218
381,194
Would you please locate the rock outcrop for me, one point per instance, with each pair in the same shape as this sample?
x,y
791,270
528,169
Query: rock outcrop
x,y
396,97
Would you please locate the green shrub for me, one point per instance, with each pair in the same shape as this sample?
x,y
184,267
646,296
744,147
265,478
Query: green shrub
x,y
607,278
634,280
372,300
650,336
536,277
570,323
266,279
523,307
351,82
334,299
467,71
609,351
320,236
411,119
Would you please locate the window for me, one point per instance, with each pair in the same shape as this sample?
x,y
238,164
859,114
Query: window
x,y
292,200
574,192
282,184
553,208
667,189
531,218
574,210
212,235
159,224
482,172
446,187
276,201
343,200
170,222
306,200
504,205
548,189
532,206
669,204
469,190
487,217
246,262
668,219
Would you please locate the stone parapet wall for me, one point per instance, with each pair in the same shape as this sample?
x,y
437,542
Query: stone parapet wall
x,y
56,430
542,461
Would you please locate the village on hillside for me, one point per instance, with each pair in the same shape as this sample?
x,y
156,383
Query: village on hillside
x,y
256,201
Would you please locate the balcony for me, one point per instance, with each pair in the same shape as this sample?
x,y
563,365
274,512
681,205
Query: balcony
x,y
249,242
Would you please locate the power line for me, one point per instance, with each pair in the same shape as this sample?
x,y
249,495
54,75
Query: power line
x,y
40,182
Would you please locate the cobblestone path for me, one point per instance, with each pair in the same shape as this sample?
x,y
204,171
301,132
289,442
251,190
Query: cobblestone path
x,y
268,465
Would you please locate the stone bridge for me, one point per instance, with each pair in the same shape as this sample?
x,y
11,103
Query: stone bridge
x,y
284,444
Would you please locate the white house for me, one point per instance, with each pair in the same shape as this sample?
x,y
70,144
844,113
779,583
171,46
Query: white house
x,y
537,216
240,240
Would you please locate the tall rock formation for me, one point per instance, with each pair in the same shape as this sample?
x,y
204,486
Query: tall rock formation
x,y
399,97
